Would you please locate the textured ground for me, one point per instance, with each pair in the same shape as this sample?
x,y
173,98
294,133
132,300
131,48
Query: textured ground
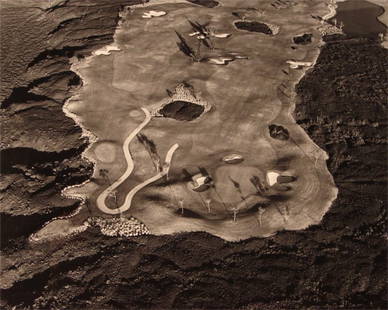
x,y
236,120
340,263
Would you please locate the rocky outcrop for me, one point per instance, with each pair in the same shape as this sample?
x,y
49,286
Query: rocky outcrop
x,y
40,146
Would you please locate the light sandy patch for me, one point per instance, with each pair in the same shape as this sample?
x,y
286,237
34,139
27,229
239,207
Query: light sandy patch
x,y
272,177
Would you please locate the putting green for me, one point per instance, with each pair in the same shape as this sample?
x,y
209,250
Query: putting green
x,y
229,145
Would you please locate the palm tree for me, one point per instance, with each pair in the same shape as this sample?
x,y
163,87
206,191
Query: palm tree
x,y
185,48
208,201
284,212
203,34
180,202
104,173
260,215
151,148
235,211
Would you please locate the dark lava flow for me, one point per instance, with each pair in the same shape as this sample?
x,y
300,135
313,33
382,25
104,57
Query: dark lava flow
x,y
182,110
359,18
253,27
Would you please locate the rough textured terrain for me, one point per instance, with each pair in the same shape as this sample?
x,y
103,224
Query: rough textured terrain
x,y
340,263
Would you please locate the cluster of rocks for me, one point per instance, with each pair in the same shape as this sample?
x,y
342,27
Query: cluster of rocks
x,y
328,29
116,226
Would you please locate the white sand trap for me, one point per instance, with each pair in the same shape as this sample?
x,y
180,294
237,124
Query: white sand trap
x,y
232,159
298,64
106,50
221,35
272,177
220,60
151,14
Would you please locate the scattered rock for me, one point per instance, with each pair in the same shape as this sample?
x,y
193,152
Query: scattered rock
x,y
116,226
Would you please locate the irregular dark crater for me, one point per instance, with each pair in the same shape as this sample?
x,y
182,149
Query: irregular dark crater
x,y
303,39
205,3
182,110
253,26
278,132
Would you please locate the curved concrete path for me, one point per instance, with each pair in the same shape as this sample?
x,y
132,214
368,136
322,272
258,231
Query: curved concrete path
x,y
130,166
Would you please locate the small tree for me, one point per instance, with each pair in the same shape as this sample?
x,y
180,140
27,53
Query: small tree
x,y
260,212
255,180
104,173
113,194
284,212
235,211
